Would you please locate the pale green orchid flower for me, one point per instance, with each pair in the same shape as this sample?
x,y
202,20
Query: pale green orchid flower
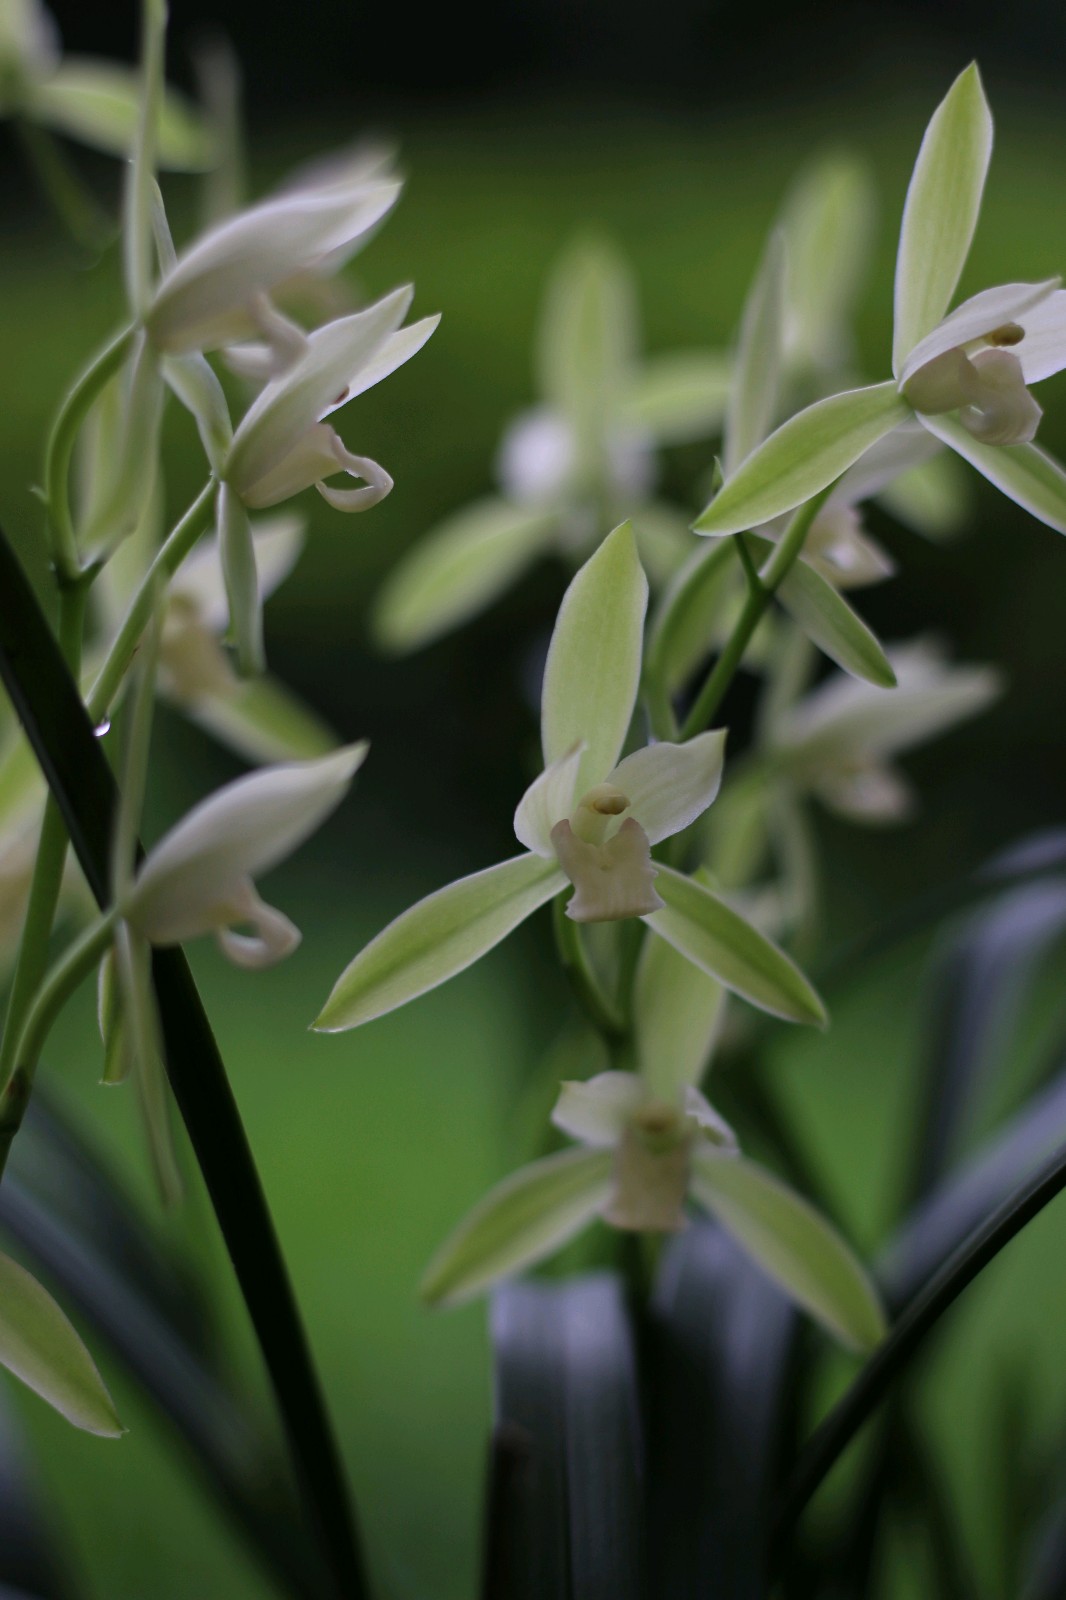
x,y
93,101
199,878
640,1159
962,375
589,820
581,458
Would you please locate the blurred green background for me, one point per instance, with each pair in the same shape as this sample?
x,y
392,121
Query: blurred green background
x,y
372,1144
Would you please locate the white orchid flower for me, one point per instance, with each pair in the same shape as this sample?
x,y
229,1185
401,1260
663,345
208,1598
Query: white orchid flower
x,y
284,444
836,742
964,375
199,878
213,293
640,1159
589,820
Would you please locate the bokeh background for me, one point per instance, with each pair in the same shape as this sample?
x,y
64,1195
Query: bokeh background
x,y
674,130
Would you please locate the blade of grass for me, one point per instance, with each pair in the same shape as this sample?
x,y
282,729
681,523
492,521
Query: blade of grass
x,y
64,741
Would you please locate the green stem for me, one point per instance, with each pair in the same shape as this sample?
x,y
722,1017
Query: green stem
x,y
76,962
601,1012
751,571
60,448
167,561
778,567
48,868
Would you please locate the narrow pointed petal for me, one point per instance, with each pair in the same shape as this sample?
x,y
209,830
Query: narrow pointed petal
x,y
906,447
318,382
263,721
669,785
679,397
390,354
548,800
596,1112
237,553
593,666
457,570
246,827
202,302
979,316
437,938
793,1243
941,210
39,1345
678,1010
828,221
719,941
278,540
755,396
803,457
1042,351
1023,472
838,631
523,1220
98,102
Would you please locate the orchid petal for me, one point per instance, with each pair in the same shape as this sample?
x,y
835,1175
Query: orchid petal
x,y
1042,350
940,212
678,1010
549,798
593,666
669,785
803,457
793,1243
274,938
679,397
698,1109
755,393
437,938
719,941
1023,472
596,1112
98,103
979,316
202,302
39,1345
519,1222
188,879
612,880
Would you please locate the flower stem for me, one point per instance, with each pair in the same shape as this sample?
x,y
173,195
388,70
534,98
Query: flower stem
x,y
48,868
777,569
601,1012
167,561
60,448
76,962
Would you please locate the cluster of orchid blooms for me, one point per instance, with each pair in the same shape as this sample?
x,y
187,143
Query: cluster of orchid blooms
x,y
667,899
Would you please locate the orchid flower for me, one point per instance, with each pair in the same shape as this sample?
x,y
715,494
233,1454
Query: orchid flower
x,y
93,101
640,1157
588,821
582,456
199,878
963,375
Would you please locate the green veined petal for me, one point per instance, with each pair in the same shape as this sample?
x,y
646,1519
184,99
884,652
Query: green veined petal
x,y
1025,473
719,940
521,1221
437,938
97,102
678,1010
757,375
803,457
39,1345
793,1243
941,210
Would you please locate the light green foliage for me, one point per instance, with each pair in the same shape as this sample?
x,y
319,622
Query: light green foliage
x,y
838,631
678,1010
755,396
1024,472
38,1344
793,1243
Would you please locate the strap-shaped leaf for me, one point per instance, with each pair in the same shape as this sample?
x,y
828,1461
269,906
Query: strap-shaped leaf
x,y
69,752
568,1409
1025,473
438,937
593,666
715,1359
803,457
941,210
519,1222
719,941
457,570
754,396
792,1242
39,1345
